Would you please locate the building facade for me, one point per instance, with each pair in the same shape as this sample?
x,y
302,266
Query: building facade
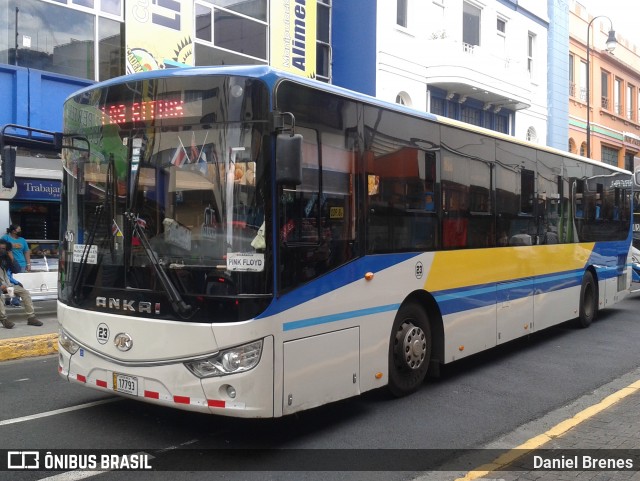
x,y
500,64
482,62
613,90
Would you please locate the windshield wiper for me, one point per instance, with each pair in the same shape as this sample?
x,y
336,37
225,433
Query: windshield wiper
x,y
99,213
178,304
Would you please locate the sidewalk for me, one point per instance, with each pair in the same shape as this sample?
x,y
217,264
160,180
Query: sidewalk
x,y
26,341
564,445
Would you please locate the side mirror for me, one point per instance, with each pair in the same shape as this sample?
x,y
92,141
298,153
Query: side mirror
x,y
8,164
289,159
636,177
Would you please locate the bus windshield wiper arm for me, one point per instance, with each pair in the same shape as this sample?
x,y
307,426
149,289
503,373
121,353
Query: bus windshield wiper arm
x,y
100,210
87,250
177,302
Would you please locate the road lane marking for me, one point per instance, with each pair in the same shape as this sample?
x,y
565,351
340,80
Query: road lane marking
x,y
556,431
58,411
72,475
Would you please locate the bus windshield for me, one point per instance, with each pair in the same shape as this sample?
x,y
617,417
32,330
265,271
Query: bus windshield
x,y
164,215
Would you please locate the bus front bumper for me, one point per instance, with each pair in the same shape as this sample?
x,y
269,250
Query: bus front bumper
x,y
248,394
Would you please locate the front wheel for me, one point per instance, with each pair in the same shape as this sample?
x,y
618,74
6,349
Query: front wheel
x,y
588,301
409,350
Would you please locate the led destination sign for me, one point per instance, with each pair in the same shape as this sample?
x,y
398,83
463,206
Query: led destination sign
x,y
122,113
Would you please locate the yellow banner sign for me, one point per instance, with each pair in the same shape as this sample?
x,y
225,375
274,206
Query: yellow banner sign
x,y
293,36
158,34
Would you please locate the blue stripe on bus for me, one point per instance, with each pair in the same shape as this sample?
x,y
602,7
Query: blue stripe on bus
x,y
331,281
341,316
463,299
467,298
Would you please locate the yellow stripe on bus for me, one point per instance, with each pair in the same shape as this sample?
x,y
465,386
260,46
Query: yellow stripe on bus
x,y
469,267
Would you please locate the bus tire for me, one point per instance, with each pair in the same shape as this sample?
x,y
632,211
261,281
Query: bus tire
x,y
409,350
588,301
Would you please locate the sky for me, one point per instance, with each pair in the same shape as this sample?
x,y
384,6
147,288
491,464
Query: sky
x,y
623,15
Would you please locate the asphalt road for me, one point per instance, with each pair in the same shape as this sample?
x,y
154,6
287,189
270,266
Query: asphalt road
x,y
476,401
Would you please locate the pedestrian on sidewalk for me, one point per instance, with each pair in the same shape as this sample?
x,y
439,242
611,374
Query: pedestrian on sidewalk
x,y
19,248
7,282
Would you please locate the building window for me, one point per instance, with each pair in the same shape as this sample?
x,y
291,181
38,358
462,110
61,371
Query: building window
x,y
583,149
532,135
488,120
583,80
235,34
323,50
617,96
630,101
502,124
51,37
470,115
114,7
572,146
403,98
572,80
609,155
470,25
530,52
628,160
203,23
401,13
111,49
604,89
239,33
437,106
501,28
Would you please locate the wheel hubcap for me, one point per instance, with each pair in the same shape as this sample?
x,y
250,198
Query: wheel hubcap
x,y
411,346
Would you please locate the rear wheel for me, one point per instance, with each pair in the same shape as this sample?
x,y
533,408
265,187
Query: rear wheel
x,y
588,301
409,350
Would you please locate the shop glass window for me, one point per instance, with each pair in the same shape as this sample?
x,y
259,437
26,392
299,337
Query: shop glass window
x,y
110,48
52,38
114,7
324,22
84,3
251,8
206,55
239,34
322,61
203,23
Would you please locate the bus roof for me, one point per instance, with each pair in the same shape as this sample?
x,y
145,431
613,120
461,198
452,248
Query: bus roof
x,y
272,76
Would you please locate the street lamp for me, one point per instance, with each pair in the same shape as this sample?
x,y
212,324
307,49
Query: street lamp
x,y
611,45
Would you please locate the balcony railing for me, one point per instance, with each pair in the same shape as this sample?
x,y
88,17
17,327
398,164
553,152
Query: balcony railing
x,y
605,103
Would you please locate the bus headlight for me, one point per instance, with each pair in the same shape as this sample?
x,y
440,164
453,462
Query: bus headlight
x,y
67,342
230,361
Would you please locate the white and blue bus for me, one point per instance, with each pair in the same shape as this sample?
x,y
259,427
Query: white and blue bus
x,y
243,242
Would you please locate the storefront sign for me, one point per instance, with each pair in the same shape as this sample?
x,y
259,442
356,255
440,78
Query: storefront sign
x,y
38,189
293,36
159,34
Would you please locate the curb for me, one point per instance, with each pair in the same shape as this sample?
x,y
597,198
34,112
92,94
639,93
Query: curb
x,y
30,346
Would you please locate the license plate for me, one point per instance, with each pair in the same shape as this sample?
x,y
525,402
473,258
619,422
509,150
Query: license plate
x,y
125,384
